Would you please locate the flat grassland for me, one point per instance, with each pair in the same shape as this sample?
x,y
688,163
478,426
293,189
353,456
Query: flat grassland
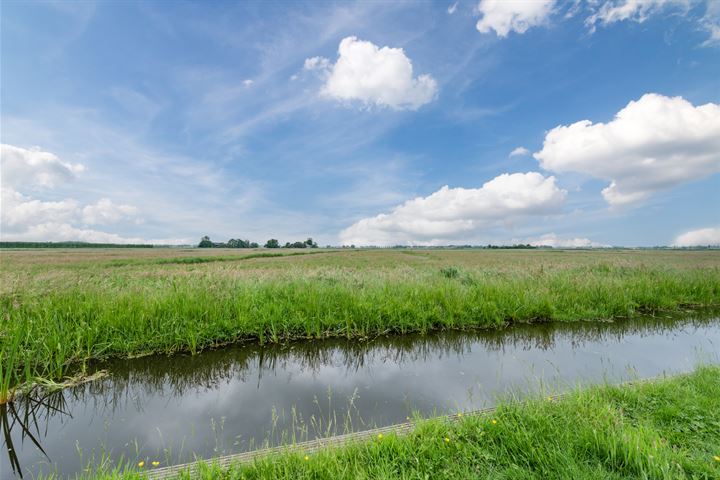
x,y
62,308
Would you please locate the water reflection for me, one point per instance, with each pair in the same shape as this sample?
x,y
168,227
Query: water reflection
x,y
29,416
172,408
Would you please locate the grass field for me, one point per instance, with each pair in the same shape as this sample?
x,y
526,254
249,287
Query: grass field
x,y
668,429
63,308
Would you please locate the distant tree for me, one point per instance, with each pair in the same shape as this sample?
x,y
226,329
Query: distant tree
x,y
254,245
272,243
310,243
205,242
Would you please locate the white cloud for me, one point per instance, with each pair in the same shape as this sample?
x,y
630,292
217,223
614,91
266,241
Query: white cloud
x,y
552,240
27,168
652,144
714,30
701,237
19,212
519,151
711,23
317,63
372,75
24,218
106,212
454,213
452,8
640,10
633,10
65,232
505,16
248,82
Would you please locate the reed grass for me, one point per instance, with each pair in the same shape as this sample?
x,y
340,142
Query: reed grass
x,y
56,318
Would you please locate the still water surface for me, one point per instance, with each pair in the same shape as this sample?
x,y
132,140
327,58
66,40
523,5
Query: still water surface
x,y
171,409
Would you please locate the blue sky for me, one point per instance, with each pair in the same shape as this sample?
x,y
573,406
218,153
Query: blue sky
x,y
166,121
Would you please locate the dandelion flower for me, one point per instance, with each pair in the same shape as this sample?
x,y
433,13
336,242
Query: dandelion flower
x,y
716,458
380,435
447,440
493,421
307,457
141,463
459,414
155,463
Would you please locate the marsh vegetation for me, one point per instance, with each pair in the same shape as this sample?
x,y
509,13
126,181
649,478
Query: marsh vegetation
x,y
63,309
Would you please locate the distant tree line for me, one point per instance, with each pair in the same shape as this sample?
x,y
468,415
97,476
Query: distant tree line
x,y
205,242
456,247
72,245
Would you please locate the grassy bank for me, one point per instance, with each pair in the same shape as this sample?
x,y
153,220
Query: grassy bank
x,y
59,311
667,429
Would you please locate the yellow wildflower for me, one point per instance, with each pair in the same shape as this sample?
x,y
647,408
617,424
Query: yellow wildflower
x,y
380,435
459,414
493,421
155,463
141,463
307,457
447,440
716,458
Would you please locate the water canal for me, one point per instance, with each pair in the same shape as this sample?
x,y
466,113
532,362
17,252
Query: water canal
x,y
174,409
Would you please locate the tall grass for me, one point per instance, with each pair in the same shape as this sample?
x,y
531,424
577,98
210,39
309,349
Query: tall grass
x,y
667,429
45,332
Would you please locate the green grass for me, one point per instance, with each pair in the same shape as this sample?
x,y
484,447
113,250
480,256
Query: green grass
x,y
667,429
61,310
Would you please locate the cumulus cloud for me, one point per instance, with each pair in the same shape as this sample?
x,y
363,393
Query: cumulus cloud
x,y
25,218
519,151
374,76
19,211
552,240
505,16
454,213
652,144
64,232
105,212
632,10
27,168
702,237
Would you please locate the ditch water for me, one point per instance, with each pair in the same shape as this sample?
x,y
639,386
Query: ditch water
x,y
173,409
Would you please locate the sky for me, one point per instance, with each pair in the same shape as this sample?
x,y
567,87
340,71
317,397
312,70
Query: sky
x,y
367,123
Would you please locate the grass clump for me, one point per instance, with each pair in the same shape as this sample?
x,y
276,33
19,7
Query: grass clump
x,y
450,272
668,429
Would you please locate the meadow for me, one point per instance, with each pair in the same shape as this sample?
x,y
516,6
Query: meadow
x,y
665,429
62,310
